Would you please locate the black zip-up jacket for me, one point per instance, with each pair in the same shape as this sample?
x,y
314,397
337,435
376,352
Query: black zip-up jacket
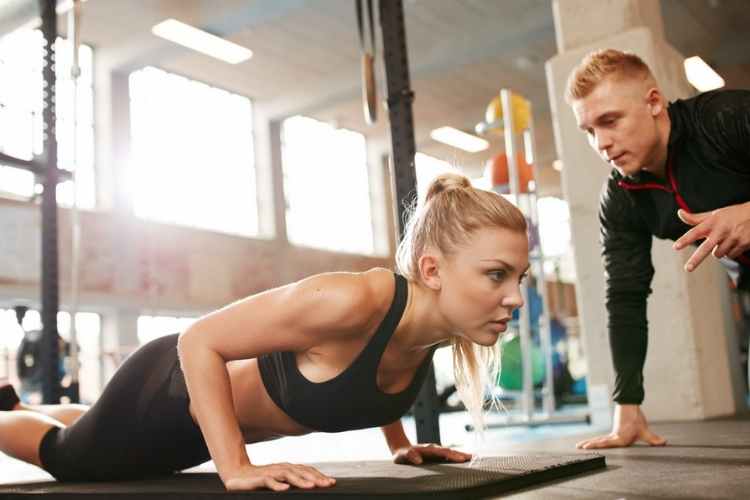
x,y
708,167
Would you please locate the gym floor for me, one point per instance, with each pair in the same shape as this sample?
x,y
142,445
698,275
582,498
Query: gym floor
x,y
708,459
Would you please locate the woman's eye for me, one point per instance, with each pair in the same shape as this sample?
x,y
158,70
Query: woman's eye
x,y
497,275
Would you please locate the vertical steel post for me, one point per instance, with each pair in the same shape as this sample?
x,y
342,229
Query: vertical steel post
x,y
400,97
50,348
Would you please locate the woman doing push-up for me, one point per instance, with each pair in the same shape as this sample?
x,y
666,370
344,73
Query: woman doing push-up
x,y
332,352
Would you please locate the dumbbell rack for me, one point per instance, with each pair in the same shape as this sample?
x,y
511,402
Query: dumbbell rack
x,y
527,203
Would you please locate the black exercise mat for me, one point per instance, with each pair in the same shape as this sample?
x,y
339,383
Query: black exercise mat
x,y
354,480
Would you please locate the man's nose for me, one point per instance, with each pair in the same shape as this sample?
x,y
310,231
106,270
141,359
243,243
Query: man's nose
x,y
603,142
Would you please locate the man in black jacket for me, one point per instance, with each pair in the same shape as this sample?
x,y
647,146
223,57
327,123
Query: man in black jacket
x,y
680,171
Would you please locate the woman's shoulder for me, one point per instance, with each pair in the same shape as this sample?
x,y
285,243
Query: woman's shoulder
x,y
355,299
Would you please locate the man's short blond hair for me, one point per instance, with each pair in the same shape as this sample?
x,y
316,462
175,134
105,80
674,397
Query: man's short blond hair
x,y
601,64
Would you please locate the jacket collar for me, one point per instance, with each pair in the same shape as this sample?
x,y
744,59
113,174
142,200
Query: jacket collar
x,y
676,111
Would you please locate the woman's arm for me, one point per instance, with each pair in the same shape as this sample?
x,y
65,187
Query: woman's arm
x,y
395,436
295,318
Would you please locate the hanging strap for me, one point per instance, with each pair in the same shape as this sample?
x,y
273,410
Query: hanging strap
x,y
369,91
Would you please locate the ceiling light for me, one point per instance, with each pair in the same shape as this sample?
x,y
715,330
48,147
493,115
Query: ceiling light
x,y
458,139
701,75
201,41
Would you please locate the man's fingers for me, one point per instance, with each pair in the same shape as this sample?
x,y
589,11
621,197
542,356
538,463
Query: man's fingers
x,y
606,442
691,236
692,219
581,444
653,439
587,443
701,253
584,443
726,247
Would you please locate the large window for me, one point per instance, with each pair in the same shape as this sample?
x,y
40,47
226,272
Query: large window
x,y
153,327
326,186
21,104
192,160
554,232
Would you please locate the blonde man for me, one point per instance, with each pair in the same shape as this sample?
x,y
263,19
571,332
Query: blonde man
x,y
680,171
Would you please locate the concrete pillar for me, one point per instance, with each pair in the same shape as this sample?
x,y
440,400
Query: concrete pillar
x,y
687,372
381,198
112,123
266,194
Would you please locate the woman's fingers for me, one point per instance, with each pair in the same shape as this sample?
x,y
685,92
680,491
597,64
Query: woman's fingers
x,y
417,455
414,456
313,474
296,479
280,477
273,484
445,453
458,456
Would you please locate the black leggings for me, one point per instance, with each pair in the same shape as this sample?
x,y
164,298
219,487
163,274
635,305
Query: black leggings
x,y
139,427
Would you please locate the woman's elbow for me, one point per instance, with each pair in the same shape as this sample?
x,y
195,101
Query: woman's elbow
x,y
189,341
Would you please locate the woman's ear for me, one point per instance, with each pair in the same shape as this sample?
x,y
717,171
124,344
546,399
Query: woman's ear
x,y
429,271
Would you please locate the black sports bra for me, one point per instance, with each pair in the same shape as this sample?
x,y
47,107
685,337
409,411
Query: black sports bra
x,y
352,399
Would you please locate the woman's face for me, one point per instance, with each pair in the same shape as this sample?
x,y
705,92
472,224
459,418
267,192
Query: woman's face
x,y
480,283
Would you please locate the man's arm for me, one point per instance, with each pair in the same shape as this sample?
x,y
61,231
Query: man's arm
x,y
724,121
628,270
626,252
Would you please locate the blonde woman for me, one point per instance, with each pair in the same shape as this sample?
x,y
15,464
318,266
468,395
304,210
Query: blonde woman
x,y
332,352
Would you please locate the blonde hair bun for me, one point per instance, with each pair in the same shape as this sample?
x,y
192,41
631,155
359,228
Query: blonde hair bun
x,y
446,182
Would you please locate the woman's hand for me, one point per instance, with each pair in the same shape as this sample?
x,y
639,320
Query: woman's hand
x,y
276,477
420,453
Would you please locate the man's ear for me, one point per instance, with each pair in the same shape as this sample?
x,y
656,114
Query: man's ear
x,y
429,270
655,101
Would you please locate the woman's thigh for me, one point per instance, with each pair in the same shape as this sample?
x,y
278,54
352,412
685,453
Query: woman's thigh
x,y
138,427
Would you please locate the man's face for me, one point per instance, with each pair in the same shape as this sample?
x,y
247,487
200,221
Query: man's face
x,y
618,117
